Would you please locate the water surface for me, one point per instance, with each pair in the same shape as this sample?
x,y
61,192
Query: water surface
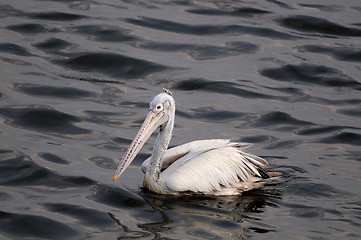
x,y
76,80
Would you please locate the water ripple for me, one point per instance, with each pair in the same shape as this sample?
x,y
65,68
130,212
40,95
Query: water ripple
x,y
351,54
219,87
53,158
28,28
311,74
116,197
279,118
317,25
307,189
55,16
203,52
54,92
106,33
210,114
88,217
14,49
7,10
237,12
53,45
32,226
43,119
176,27
323,129
350,112
324,8
343,138
114,65
19,170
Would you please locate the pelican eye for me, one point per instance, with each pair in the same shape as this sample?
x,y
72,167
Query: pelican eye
x,y
159,107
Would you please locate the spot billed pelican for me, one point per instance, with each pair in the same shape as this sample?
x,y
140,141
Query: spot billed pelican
x,y
217,166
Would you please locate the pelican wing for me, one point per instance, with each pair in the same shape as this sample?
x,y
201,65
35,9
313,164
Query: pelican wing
x,y
175,153
210,165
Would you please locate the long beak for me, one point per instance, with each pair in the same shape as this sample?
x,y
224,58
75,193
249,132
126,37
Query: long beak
x,y
150,124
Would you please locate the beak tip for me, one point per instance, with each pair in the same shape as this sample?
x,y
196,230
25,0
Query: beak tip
x,y
115,178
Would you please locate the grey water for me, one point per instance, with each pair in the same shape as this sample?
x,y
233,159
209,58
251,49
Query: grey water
x,y
76,78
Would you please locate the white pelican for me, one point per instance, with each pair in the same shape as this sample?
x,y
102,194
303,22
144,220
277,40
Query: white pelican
x,y
217,166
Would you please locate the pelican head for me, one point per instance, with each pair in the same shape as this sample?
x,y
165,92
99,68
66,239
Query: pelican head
x,y
161,114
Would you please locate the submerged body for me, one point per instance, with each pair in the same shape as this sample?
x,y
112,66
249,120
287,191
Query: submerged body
x,y
217,167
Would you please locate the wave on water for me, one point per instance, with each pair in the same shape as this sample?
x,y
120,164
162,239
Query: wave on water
x,y
76,81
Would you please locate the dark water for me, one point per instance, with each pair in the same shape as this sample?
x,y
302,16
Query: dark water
x,y
76,80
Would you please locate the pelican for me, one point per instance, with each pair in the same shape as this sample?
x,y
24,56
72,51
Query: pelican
x,y
212,167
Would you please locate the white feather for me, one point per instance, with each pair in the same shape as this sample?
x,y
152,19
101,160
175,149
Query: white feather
x,y
207,166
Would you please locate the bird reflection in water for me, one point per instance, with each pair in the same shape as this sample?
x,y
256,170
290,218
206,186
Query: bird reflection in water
x,y
230,217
